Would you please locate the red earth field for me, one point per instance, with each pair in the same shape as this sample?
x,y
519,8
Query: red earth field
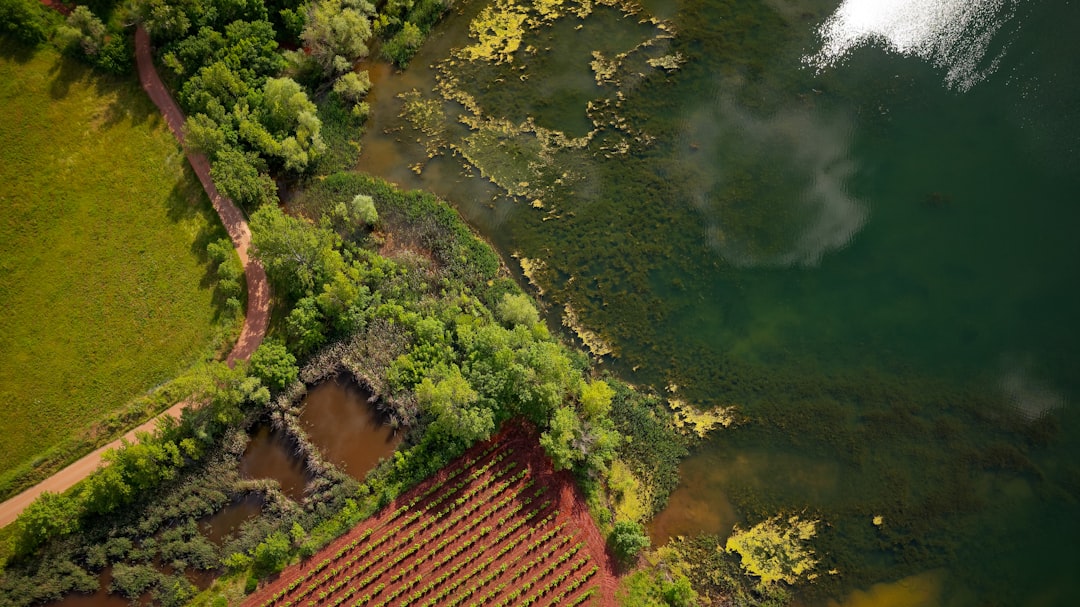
x,y
497,527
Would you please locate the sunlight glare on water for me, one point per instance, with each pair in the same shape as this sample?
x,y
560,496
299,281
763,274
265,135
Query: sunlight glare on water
x,y
954,35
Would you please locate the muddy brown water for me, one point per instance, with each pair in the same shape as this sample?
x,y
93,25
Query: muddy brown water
x,y
229,519
345,427
270,455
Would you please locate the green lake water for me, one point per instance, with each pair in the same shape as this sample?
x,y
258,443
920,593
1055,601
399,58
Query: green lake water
x,y
872,253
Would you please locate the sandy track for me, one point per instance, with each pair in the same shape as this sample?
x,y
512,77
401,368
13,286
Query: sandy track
x,y
258,304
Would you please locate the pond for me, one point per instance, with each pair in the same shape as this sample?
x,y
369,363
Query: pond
x,y
854,220
341,422
269,454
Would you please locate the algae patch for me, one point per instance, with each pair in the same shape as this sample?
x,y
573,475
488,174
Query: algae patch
x,y
776,549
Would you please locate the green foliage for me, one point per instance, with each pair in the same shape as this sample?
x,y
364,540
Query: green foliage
x,y
649,588
27,20
49,516
274,365
627,540
133,581
353,86
403,45
304,327
241,176
336,33
595,399
86,30
558,441
298,257
651,449
518,310
452,402
271,555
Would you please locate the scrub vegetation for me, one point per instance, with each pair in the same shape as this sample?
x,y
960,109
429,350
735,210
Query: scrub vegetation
x,y
104,275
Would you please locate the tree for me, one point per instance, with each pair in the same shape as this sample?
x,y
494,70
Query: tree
x,y
204,135
627,540
517,310
241,176
353,86
86,29
274,365
337,32
596,399
271,555
51,515
401,48
26,20
298,256
304,326
450,400
558,441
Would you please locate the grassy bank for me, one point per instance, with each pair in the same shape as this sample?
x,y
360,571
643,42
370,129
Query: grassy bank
x,y
103,272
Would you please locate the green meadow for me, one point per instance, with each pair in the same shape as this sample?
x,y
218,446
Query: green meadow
x,y
105,286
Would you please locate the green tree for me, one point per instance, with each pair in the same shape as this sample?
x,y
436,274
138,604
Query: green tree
x,y
298,256
517,310
403,45
451,401
271,555
50,516
595,399
84,28
559,440
353,86
274,365
204,135
337,32
304,326
241,176
26,20
627,539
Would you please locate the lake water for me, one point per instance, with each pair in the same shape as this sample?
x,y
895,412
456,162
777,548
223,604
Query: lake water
x,y
853,220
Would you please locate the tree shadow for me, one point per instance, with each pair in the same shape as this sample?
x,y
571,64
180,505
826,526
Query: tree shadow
x,y
16,51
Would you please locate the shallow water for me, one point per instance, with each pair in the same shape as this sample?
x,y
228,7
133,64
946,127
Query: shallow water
x,y
228,520
345,428
853,220
269,455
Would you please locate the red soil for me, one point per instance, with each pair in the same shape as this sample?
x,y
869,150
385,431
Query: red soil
x,y
410,551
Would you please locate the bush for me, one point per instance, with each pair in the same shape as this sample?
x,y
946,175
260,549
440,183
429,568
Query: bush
x,y
627,540
27,20
274,366
270,556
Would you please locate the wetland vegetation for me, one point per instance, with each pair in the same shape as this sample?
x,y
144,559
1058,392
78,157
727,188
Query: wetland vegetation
x,y
852,296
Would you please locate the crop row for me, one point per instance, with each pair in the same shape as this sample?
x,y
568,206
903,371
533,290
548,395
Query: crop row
x,y
483,535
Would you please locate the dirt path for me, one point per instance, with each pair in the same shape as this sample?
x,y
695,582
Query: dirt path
x,y
258,305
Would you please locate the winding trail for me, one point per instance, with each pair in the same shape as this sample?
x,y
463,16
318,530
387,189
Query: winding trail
x,y
258,303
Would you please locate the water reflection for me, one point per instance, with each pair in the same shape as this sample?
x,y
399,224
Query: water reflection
x,y
269,454
345,427
228,520
955,35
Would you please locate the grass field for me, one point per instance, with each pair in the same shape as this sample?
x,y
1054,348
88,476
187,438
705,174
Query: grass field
x,y
104,284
